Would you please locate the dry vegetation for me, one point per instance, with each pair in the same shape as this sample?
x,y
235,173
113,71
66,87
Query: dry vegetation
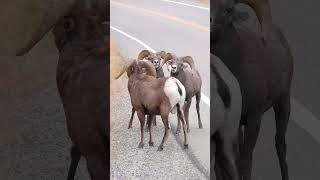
x,y
116,65
203,1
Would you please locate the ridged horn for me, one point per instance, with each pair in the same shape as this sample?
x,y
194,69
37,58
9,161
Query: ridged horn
x,y
125,67
143,54
189,60
263,13
150,69
166,58
162,54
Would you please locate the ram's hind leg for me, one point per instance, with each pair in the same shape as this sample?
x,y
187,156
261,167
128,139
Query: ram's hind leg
x,y
75,158
131,118
179,124
251,132
154,120
212,157
98,167
164,116
198,98
282,113
218,164
186,112
182,119
231,154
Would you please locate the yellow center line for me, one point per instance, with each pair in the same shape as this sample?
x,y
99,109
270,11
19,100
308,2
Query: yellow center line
x,y
166,16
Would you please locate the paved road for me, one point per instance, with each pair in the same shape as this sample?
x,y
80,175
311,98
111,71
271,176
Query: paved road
x,y
176,28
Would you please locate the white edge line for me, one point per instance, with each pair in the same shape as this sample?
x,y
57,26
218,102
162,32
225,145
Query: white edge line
x,y
133,38
305,119
185,4
204,98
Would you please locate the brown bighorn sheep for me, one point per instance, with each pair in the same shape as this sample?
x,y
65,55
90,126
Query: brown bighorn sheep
x,y
190,79
154,96
82,76
82,83
263,65
224,121
155,59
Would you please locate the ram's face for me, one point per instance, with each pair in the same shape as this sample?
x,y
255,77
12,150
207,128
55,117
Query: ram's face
x,y
156,62
176,66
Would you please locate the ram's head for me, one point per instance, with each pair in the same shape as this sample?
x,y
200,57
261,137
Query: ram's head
x,y
154,58
177,64
223,12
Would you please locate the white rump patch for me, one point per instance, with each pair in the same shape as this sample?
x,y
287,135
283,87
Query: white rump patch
x,y
172,92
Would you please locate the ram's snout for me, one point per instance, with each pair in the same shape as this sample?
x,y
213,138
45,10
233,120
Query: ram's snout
x,y
156,63
174,68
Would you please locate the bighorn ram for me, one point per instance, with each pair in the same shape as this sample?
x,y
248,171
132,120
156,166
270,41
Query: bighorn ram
x,y
155,59
263,65
154,96
82,86
225,119
82,76
190,79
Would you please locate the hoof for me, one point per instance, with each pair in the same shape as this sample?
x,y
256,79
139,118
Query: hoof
x,y
178,131
150,143
160,148
200,126
129,127
140,145
186,146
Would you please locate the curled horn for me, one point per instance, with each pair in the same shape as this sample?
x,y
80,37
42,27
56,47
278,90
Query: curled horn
x,y
189,60
263,12
166,58
149,68
162,54
143,54
125,67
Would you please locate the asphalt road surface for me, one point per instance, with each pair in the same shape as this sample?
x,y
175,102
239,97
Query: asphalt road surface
x,y
183,30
